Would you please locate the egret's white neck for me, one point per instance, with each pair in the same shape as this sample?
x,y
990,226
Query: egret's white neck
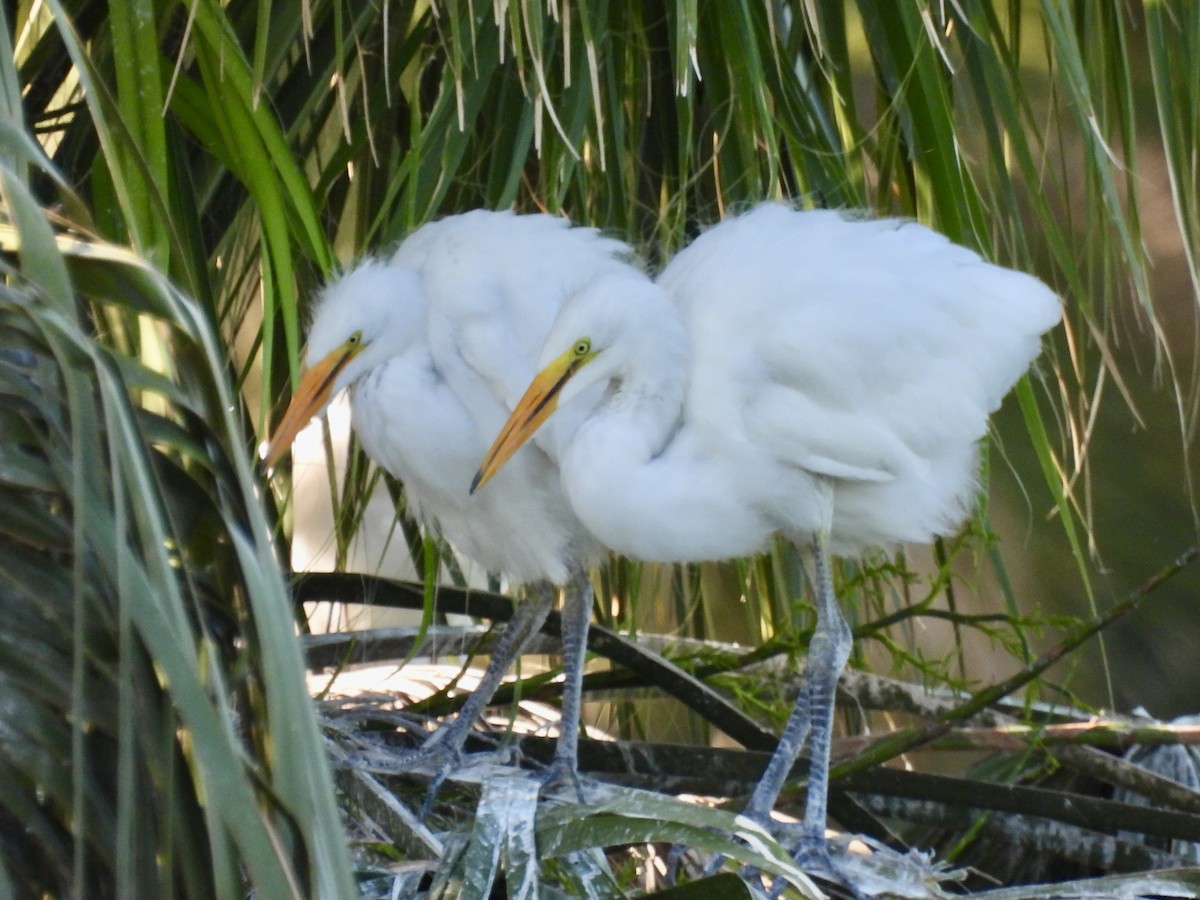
x,y
646,393
641,360
636,475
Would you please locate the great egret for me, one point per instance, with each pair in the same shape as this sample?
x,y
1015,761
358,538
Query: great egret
x,y
809,374
436,345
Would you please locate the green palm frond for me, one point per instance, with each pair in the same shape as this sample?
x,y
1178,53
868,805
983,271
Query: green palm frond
x,y
158,739
246,149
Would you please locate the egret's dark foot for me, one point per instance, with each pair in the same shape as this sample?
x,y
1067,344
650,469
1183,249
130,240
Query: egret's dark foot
x,y
814,857
870,869
442,758
562,777
812,854
444,761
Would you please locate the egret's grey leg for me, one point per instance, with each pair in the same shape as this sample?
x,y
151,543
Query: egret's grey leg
x,y
576,616
827,656
812,718
445,745
787,751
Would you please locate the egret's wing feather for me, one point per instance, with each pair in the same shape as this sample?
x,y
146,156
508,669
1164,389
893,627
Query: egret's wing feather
x,y
835,468
489,336
448,330
778,301
495,291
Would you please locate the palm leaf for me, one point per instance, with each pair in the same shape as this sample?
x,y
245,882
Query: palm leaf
x,y
246,148
155,612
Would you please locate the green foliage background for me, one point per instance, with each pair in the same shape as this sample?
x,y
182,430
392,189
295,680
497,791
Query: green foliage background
x,y
244,149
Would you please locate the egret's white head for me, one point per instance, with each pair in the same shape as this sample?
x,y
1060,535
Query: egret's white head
x,y
620,324
370,314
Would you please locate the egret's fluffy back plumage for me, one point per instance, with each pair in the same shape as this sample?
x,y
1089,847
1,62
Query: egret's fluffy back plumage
x,y
867,351
839,374
452,325
795,373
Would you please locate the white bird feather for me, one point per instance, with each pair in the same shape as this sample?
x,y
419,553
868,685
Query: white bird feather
x,y
797,373
451,326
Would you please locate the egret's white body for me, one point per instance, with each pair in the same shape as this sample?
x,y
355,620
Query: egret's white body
x,y
452,325
795,373
436,345
784,354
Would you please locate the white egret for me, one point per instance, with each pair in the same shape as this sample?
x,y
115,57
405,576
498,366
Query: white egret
x,y
799,373
436,345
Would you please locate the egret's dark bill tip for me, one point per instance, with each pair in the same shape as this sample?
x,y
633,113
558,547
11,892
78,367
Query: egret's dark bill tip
x,y
270,455
475,482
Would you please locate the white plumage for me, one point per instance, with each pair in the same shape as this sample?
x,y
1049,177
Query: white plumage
x,y
449,332
781,355
796,373
436,345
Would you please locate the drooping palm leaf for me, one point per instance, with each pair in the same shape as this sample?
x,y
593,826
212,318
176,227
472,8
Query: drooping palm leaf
x,y
158,736
245,146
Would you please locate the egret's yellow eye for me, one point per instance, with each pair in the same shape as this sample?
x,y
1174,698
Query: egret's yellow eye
x,y
583,347
355,339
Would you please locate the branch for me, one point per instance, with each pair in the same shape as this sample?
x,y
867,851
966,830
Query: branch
x,y
900,742
689,690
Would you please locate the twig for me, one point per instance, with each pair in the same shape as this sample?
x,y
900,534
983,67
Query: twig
x,y
900,742
1112,733
667,676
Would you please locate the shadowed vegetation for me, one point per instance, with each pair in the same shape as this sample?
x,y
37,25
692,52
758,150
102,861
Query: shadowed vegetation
x,y
177,179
